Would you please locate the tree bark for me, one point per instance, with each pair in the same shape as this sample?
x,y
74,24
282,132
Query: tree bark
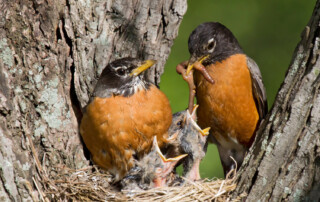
x,y
51,54
284,162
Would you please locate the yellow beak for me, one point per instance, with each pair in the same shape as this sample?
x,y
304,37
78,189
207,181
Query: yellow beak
x,y
146,65
192,61
164,159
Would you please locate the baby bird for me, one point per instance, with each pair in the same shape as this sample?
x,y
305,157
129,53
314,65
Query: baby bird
x,y
151,171
191,140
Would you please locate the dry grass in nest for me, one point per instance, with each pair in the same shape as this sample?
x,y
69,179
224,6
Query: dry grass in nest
x,y
92,183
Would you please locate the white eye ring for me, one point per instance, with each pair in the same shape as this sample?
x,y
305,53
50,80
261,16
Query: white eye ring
x,y
210,40
118,67
214,45
121,70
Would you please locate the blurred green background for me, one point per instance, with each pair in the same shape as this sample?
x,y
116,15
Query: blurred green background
x,y
268,31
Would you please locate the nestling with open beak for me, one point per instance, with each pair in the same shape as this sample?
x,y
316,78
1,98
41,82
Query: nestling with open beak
x,y
151,171
190,139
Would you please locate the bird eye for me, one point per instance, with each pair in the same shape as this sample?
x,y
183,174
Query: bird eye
x,y
121,71
211,45
179,123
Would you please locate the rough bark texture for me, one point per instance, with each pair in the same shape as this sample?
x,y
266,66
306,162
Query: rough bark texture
x,y
284,163
51,53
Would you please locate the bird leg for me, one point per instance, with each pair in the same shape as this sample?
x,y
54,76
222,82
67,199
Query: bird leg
x,y
181,69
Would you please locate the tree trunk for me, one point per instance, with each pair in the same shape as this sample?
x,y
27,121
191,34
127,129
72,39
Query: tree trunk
x,y
51,54
284,162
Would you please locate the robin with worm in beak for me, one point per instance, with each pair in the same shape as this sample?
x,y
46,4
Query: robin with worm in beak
x,y
125,112
229,90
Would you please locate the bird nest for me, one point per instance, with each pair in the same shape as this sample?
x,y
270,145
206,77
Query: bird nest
x,y
92,183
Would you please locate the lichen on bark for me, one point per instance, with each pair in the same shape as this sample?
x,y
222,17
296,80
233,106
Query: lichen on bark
x,y
51,54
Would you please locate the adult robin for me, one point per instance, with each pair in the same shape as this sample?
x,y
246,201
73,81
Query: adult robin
x,y
229,90
125,112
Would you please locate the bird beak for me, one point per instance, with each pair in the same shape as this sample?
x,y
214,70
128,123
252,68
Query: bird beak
x,y
166,167
203,132
193,60
164,159
145,65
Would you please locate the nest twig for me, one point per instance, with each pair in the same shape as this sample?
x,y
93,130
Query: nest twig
x,y
91,183
94,184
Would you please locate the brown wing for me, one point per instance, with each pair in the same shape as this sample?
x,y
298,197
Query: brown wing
x,y
258,89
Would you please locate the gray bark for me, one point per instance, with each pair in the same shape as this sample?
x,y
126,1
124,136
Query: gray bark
x,y
284,162
51,54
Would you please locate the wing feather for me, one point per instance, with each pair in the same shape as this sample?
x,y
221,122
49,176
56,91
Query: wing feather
x,y
258,89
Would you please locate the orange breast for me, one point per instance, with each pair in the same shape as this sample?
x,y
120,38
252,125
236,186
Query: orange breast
x,y
227,106
116,128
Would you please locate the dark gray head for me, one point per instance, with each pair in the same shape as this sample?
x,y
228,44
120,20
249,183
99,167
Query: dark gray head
x,y
123,77
214,40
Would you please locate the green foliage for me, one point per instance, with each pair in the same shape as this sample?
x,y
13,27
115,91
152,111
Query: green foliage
x,y
268,31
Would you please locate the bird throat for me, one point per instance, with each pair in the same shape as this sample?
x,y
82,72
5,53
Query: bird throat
x,y
133,87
